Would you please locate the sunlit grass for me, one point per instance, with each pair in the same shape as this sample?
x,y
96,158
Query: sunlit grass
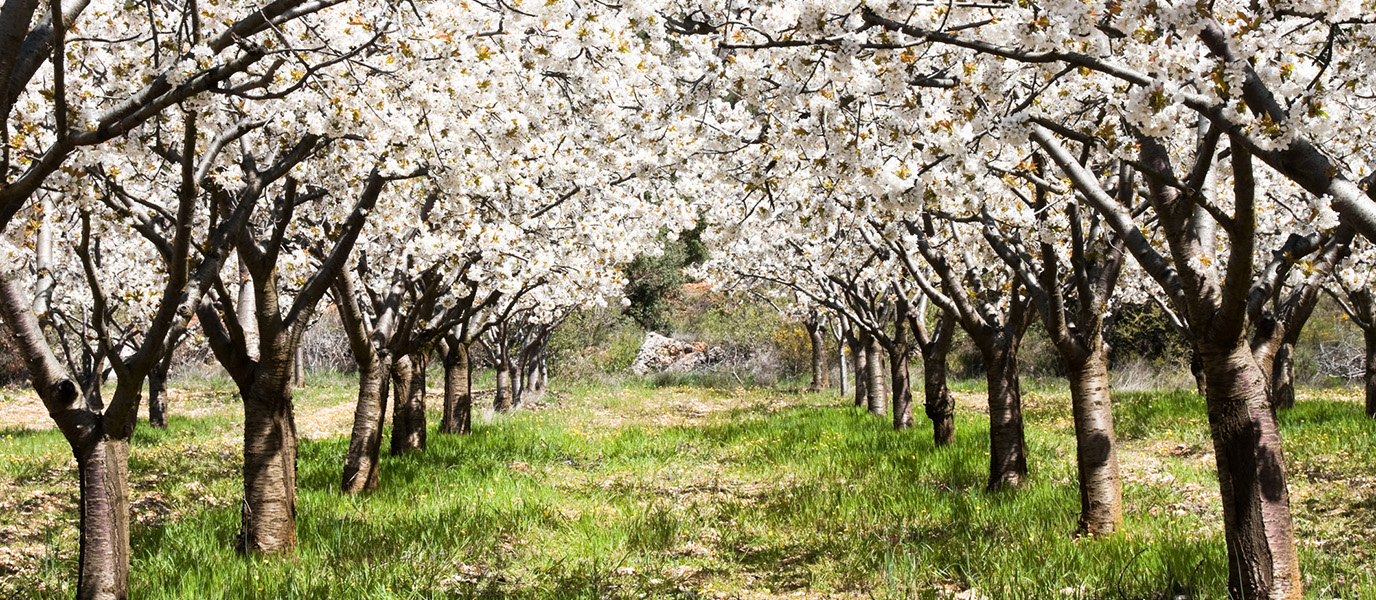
x,y
639,491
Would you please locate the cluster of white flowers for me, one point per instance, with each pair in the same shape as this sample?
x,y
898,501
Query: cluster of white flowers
x,y
559,140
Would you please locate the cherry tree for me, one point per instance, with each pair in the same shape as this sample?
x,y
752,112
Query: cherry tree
x,y
1351,289
108,108
1145,66
527,212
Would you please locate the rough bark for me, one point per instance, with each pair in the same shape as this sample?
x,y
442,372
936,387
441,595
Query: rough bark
x,y
820,369
902,388
1251,476
532,385
1370,336
458,391
157,393
1101,490
1007,445
269,512
408,422
1283,377
1257,522
841,365
298,367
104,505
365,441
99,445
876,401
900,352
858,352
937,401
502,400
514,391
542,377
1201,383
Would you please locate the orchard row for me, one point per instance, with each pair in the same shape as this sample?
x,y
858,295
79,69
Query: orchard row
x,y
449,174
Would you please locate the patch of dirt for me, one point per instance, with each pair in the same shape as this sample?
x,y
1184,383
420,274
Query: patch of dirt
x,y
21,409
326,421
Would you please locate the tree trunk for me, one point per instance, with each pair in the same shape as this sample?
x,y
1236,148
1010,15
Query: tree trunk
x,y
937,401
542,376
269,511
1201,383
515,391
900,353
1370,337
157,392
100,447
246,311
820,370
1262,562
104,504
298,367
902,388
365,441
502,400
458,391
857,351
1101,489
1007,445
408,422
877,402
1283,377
530,374
841,365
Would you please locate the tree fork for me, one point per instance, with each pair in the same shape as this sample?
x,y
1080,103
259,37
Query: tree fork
x,y
820,371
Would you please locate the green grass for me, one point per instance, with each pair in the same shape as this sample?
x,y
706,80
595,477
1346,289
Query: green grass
x,y
640,491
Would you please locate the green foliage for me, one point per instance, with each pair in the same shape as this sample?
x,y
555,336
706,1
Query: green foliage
x,y
655,280
594,344
1143,331
748,329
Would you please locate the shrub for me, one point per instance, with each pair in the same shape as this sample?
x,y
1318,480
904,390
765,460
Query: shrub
x,y
594,343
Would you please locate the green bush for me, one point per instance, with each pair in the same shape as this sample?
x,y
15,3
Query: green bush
x,y
756,338
594,343
1144,332
655,280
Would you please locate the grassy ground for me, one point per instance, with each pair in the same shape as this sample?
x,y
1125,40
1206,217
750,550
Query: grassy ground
x,y
636,491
